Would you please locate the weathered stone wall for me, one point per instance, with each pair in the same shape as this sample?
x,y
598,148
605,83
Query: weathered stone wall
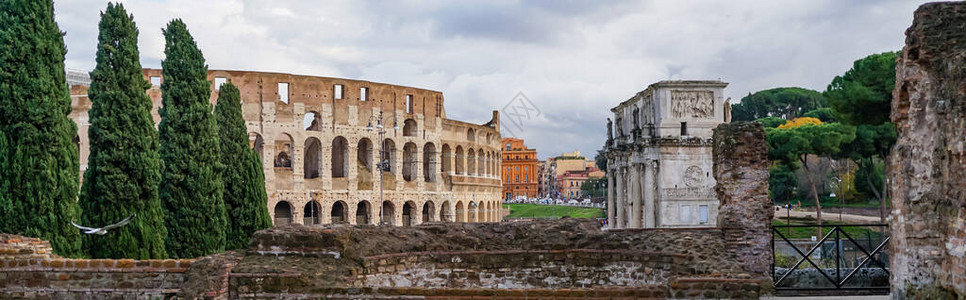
x,y
927,167
514,259
741,172
29,270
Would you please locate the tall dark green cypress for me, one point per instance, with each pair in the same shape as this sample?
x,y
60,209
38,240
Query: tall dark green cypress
x,y
124,167
191,187
245,197
41,168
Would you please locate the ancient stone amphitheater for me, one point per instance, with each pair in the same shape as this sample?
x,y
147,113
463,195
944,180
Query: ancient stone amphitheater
x,y
321,141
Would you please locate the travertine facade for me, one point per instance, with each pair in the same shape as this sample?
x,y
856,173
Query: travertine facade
x,y
320,144
659,156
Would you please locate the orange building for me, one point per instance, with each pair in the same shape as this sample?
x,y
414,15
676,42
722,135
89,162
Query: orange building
x,y
519,169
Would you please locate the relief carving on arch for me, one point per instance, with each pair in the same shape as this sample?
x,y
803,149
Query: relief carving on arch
x,y
692,104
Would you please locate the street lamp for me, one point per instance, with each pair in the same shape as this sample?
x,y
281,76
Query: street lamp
x,y
383,164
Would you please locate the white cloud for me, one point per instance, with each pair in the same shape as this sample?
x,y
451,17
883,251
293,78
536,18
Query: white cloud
x,y
573,59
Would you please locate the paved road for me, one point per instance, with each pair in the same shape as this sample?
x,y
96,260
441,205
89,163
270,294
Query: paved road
x,y
847,218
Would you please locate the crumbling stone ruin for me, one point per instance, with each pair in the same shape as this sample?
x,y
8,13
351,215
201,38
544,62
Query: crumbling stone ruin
x,y
320,144
927,167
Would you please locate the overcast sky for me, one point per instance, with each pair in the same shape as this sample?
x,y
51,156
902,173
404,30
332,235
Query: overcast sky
x,y
573,60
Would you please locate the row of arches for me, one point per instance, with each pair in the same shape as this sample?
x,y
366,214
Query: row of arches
x,y
459,161
312,121
362,212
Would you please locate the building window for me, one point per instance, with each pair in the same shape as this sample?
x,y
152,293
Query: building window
x,y
526,168
363,94
409,104
518,178
283,92
684,128
219,81
156,81
686,214
507,147
703,214
337,91
526,178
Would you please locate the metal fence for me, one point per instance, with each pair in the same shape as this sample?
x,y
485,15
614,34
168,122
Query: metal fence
x,y
846,257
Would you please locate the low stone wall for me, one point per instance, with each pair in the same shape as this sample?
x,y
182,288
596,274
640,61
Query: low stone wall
x,y
90,278
562,258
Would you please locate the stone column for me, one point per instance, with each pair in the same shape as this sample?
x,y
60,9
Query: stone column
x,y
635,191
611,212
619,220
745,212
417,215
351,211
926,169
650,194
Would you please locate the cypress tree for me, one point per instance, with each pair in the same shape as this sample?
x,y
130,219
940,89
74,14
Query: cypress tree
x,y
124,167
191,187
245,197
40,169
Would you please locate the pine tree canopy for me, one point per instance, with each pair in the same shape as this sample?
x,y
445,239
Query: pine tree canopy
x,y
39,171
191,187
124,167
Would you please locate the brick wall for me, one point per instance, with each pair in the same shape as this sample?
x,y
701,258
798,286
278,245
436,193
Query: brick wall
x,y
927,166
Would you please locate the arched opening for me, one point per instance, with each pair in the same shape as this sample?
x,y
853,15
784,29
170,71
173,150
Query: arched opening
x,y
471,216
407,212
429,162
409,161
364,155
471,135
283,213
460,161
480,162
388,154
409,127
429,210
340,153
312,121
387,212
256,142
446,157
339,213
471,162
310,214
460,212
283,150
483,212
362,213
445,213
313,157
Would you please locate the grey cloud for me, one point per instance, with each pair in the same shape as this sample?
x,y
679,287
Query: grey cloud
x,y
574,59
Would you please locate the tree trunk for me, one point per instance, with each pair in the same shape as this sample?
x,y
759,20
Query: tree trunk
x,y
818,204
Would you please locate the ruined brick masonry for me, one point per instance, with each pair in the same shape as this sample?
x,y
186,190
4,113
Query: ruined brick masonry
x,y
927,167
565,258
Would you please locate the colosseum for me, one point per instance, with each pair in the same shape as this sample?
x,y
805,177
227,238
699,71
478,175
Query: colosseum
x,y
351,151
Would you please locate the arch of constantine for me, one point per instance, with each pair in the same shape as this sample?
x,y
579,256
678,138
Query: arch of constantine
x,y
323,141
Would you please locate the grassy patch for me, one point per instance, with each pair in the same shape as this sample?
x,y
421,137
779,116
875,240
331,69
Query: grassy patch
x,y
551,211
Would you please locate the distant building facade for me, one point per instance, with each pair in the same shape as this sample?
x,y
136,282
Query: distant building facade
x,y
659,156
320,145
520,177
571,182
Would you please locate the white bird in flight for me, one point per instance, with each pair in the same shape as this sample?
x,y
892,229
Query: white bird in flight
x,y
103,230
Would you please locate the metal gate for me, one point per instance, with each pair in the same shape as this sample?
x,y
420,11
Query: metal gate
x,y
847,259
